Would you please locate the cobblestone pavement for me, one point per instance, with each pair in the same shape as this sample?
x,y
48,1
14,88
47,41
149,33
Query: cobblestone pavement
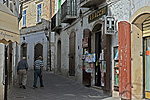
x,y
56,87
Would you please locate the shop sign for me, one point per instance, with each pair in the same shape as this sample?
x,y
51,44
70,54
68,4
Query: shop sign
x,y
109,25
85,42
97,14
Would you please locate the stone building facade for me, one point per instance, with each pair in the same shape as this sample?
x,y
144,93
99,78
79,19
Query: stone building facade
x,y
11,8
34,27
70,34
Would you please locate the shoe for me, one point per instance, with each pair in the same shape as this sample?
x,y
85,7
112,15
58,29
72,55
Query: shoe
x,y
34,87
23,87
20,86
42,86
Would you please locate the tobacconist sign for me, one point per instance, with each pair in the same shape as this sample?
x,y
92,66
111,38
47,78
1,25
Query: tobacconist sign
x,y
97,14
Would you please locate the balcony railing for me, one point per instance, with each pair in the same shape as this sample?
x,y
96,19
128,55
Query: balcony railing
x,y
68,11
56,22
91,3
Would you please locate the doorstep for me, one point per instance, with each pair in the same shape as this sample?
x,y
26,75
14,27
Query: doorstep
x,y
97,88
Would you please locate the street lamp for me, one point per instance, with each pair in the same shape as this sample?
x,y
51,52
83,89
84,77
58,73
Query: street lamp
x,y
46,33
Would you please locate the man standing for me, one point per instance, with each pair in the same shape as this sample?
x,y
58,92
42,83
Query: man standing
x,y
22,72
38,68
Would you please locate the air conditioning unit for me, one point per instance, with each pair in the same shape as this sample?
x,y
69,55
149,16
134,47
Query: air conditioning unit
x,y
109,25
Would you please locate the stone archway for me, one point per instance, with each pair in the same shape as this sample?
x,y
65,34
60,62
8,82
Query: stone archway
x,y
138,38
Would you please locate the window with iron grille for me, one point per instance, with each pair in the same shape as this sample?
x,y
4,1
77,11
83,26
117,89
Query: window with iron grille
x,y
39,13
24,17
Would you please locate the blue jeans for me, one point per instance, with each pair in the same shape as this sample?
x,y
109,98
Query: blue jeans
x,y
37,73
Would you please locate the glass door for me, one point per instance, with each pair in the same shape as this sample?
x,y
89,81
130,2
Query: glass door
x,y
147,67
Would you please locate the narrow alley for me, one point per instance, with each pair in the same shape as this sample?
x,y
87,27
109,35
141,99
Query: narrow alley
x,y
56,87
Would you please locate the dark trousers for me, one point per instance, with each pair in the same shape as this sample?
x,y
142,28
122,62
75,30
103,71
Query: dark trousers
x,y
37,73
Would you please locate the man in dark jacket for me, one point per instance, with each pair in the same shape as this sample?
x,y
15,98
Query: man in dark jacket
x,y
22,72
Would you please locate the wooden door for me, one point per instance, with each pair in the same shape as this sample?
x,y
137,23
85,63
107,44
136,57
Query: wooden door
x,y
23,50
38,51
9,65
72,54
124,40
59,57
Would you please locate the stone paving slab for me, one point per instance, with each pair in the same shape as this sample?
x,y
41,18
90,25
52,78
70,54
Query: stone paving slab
x,y
56,87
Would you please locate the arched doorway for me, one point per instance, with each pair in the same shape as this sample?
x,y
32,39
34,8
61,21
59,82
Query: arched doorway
x,y
96,47
38,51
72,54
140,39
59,57
23,50
146,37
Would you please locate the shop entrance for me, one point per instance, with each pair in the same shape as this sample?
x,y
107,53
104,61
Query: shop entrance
x,y
96,37
147,66
146,31
97,53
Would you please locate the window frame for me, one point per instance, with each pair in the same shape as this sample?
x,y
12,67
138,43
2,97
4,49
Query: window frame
x,y
39,13
24,16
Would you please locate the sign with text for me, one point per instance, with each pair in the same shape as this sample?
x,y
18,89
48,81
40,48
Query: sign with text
x,y
109,25
97,14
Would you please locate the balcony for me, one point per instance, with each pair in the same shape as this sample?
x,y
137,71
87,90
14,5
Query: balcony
x,y
90,3
56,22
68,11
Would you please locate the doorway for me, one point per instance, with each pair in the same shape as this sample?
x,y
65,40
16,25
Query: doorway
x,y
72,54
147,66
97,48
10,63
23,50
97,53
59,57
38,51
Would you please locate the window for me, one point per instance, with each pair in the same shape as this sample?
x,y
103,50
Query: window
x,y
73,7
24,18
39,13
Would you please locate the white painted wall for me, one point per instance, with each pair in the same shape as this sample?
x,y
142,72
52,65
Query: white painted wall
x,y
32,40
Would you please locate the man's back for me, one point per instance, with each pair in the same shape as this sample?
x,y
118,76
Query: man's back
x,y
38,64
22,65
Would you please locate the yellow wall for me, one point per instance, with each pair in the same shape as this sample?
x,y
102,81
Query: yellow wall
x,y
136,48
31,7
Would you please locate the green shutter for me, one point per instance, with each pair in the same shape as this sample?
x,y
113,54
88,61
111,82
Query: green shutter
x,y
59,4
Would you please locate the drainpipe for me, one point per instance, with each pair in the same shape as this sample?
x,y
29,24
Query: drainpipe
x,y
50,34
6,76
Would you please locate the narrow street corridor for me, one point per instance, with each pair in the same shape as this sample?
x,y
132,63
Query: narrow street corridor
x,y
56,87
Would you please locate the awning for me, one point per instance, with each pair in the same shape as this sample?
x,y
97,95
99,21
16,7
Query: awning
x,y
9,29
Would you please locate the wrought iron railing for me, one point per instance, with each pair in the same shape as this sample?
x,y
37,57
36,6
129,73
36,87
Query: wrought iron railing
x,y
69,7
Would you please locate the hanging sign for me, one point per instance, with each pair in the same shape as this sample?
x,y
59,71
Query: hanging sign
x,y
110,25
97,14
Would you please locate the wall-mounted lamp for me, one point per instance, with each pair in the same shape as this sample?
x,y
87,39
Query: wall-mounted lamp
x,y
46,33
